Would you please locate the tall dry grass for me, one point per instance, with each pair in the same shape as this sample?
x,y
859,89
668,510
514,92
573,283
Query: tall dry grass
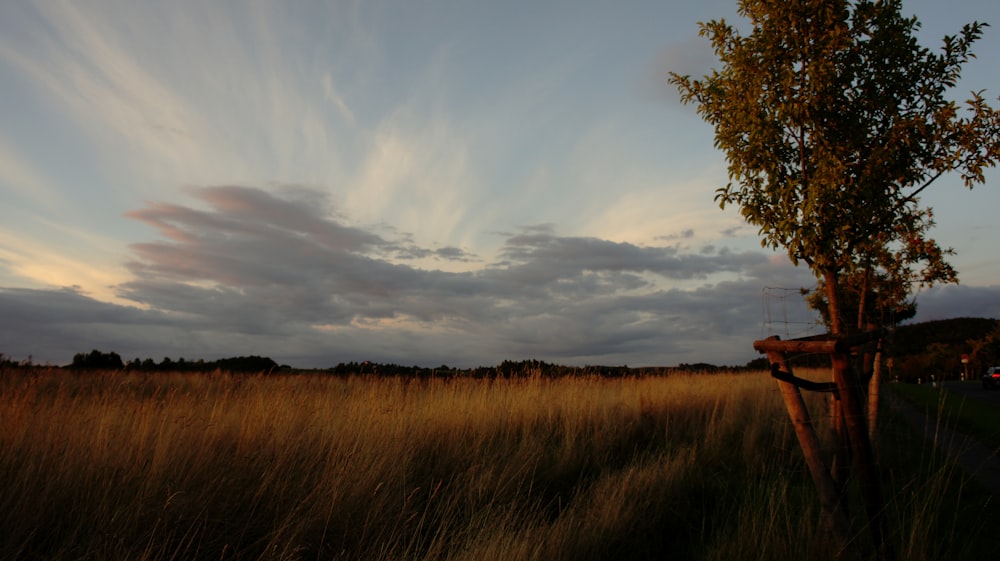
x,y
185,467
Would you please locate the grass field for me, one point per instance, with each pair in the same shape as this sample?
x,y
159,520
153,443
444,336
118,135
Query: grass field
x,y
190,467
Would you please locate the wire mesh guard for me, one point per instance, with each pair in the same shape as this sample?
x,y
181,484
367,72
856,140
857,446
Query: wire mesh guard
x,y
785,313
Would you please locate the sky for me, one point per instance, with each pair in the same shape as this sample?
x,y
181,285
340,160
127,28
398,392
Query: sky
x,y
418,182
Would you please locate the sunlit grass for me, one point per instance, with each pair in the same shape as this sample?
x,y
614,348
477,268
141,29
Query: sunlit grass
x,y
175,466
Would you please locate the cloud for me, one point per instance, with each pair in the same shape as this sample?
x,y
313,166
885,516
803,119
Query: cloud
x,y
22,177
86,66
172,94
416,174
253,272
951,301
64,256
546,252
53,324
685,234
333,96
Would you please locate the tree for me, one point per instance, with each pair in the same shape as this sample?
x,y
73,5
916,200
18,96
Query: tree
x,y
96,360
833,120
986,351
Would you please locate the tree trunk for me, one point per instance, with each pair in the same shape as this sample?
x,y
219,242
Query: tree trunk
x,y
832,281
853,410
841,467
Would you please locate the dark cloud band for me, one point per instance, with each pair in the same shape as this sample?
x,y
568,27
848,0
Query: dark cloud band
x,y
258,273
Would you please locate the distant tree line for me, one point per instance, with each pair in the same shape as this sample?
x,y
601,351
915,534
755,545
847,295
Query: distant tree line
x,y
97,360
520,369
913,352
9,362
100,360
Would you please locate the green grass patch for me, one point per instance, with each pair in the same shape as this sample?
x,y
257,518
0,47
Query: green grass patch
x,y
969,416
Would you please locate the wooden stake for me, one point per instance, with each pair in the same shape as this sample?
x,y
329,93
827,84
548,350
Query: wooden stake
x,y
834,518
850,419
873,393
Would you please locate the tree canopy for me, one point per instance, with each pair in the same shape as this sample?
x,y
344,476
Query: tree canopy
x,y
833,119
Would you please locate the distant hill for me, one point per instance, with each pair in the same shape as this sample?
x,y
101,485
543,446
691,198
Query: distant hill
x,y
916,338
935,348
